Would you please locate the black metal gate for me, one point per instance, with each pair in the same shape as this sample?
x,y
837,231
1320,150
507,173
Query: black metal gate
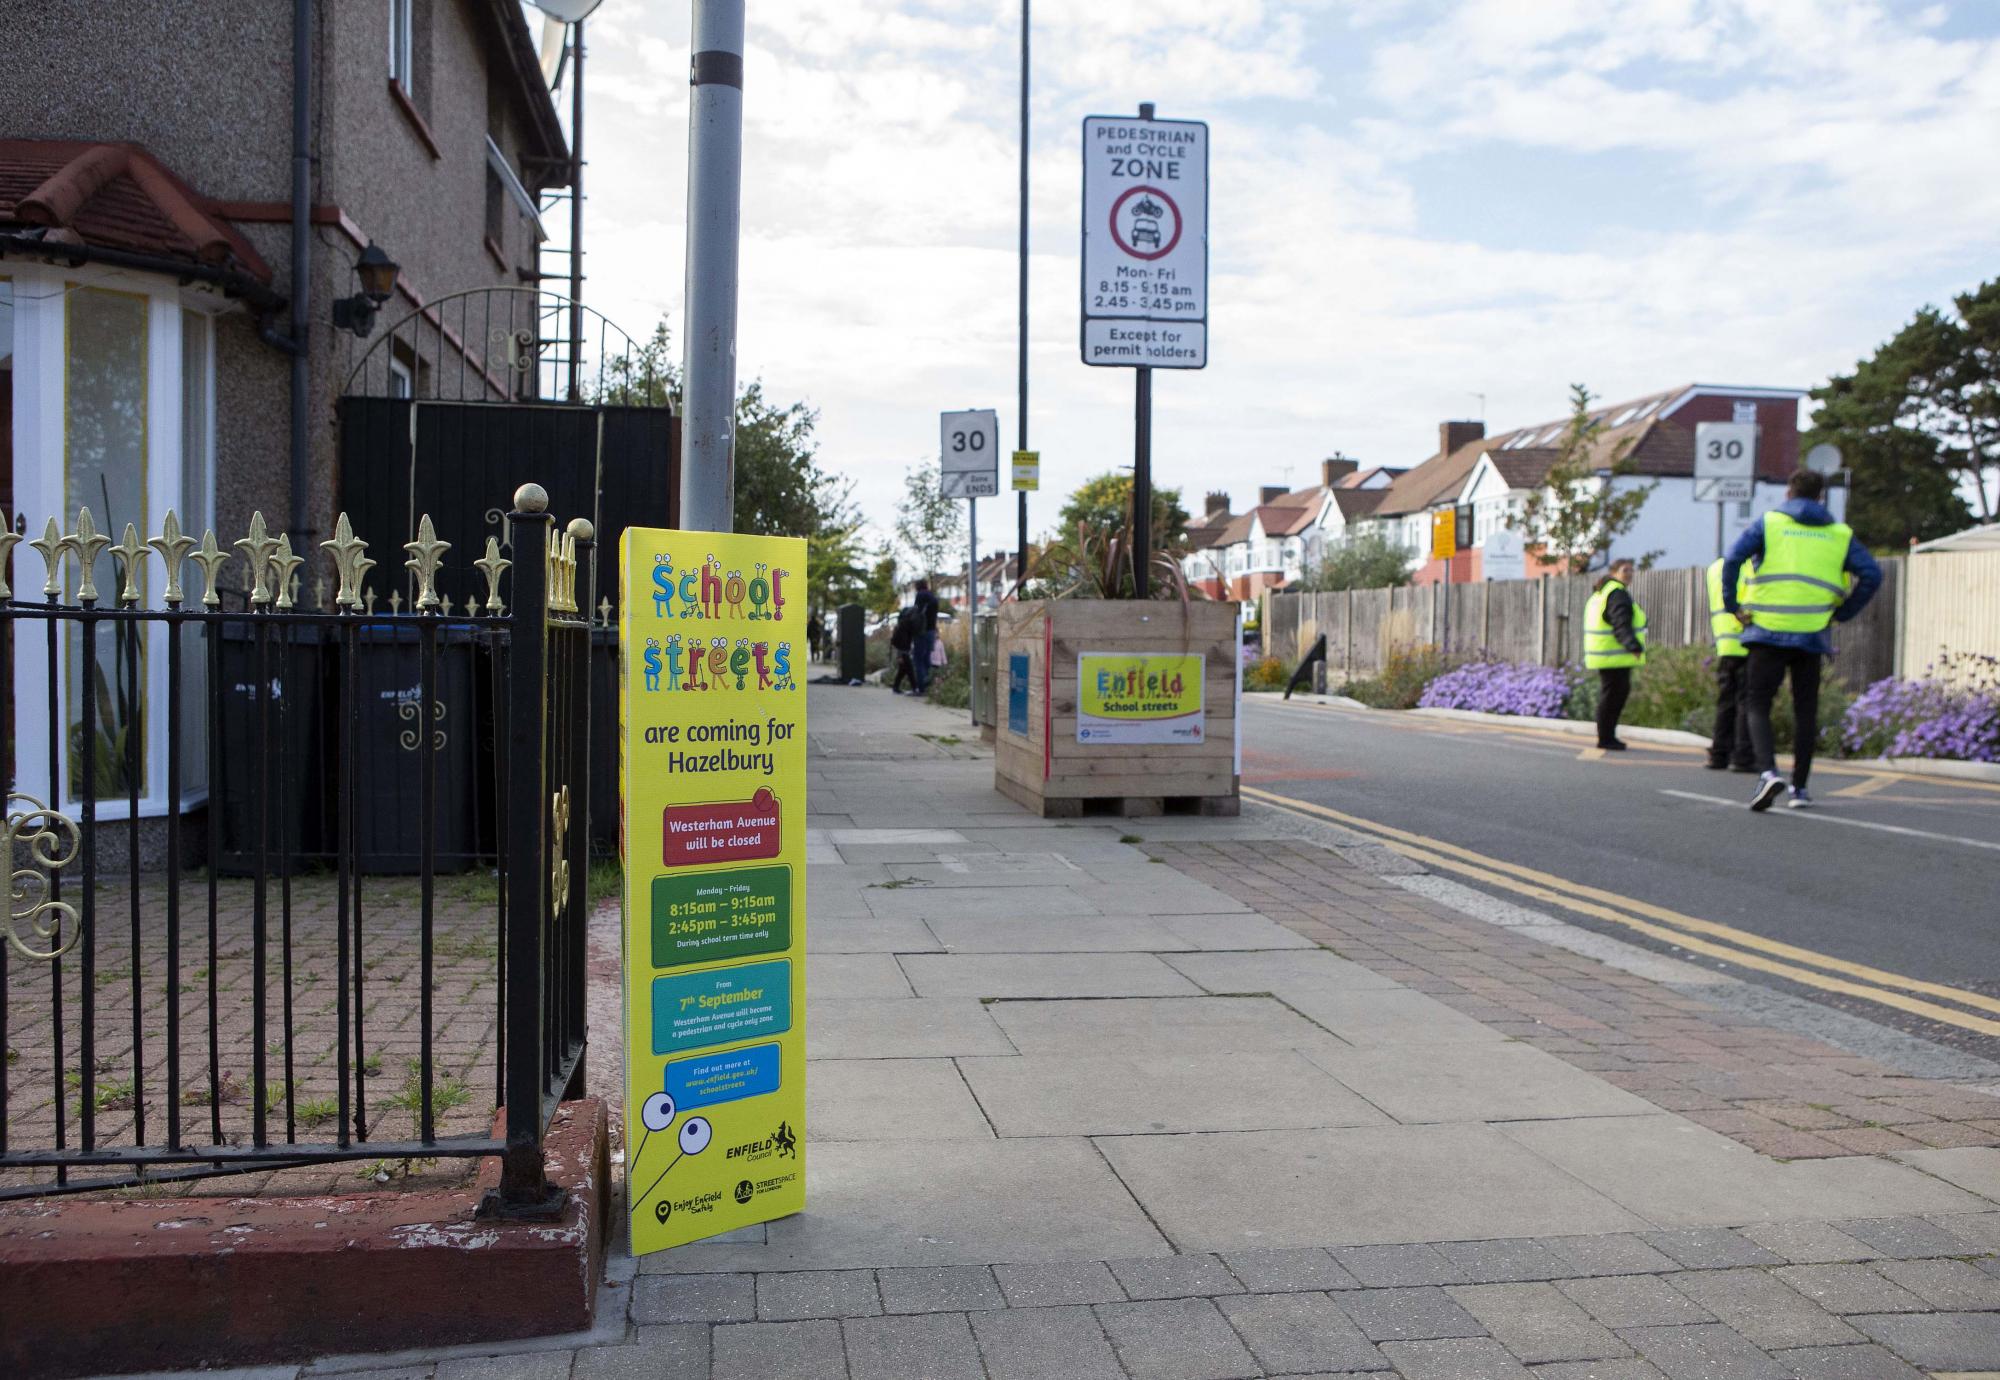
x,y
164,1025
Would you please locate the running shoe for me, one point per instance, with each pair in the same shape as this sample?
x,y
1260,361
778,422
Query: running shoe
x,y
1769,788
1800,800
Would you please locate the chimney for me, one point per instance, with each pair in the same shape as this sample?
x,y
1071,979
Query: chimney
x,y
1217,503
1271,493
1331,472
1452,435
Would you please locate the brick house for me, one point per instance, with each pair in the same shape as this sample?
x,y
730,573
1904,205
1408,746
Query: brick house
x,y
1287,532
158,347
1486,479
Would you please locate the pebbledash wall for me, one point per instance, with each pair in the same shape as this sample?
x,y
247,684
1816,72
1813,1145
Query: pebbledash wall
x,y
1540,621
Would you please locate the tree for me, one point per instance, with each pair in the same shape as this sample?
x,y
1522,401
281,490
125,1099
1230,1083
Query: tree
x,y
879,594
1928,398
1366,559
930,528
1578,512
1900,492
1104,503
781,491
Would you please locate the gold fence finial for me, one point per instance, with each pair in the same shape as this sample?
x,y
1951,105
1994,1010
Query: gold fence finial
x,y
604,611
89,544
426,552
130,554
8,538
492,565
173,546
52,547
396,601
368,598
350,562
284,571
211,558
257,549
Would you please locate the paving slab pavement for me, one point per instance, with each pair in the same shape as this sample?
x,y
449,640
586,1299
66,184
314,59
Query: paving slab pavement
x,y
1130,1119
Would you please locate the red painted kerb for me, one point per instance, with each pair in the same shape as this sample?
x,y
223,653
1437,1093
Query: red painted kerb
x,y
96,1286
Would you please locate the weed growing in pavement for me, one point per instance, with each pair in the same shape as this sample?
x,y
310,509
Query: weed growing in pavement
x,y
317,1111
1130,838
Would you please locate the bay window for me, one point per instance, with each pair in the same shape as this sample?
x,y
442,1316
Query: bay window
x,y
111,382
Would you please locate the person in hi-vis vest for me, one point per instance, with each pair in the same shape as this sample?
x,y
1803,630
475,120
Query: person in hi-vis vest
x,y
1729,745
1800,586
1614,641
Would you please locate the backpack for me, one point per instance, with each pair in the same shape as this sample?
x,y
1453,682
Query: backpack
x,y
905,630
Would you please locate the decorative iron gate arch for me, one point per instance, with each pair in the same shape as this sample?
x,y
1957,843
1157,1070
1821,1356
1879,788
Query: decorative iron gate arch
x,y
510,345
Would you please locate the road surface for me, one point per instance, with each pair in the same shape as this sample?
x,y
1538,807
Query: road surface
x,y
1883,902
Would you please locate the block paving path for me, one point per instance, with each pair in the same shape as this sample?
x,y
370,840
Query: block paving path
x,y
1191,1099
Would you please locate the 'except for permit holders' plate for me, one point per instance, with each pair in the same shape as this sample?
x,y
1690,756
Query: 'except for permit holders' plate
x,y
702,916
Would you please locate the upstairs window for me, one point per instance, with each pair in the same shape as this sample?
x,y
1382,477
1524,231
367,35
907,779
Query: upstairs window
x,y
402,44
410,51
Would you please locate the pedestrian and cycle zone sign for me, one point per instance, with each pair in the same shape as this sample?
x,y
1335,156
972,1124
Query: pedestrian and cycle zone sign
x,y
712,778
1145,242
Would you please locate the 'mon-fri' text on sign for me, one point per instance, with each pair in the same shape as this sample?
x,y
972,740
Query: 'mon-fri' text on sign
x,y
1145,243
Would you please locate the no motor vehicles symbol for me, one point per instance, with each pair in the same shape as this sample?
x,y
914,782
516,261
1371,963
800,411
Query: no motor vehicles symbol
x,y
1145,223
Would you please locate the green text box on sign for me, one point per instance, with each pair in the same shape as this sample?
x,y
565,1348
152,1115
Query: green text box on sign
x,y
701,916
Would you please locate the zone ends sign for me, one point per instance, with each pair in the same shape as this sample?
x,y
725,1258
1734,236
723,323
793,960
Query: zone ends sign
x,y
1145,243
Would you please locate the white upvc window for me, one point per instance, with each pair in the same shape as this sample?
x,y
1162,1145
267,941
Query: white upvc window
x,y
402,44
112,377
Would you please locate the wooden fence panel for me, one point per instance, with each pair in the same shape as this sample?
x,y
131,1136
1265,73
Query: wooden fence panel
x,y
1928,605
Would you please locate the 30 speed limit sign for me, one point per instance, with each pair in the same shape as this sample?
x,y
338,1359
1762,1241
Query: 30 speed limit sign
x,y
1725,462
969,447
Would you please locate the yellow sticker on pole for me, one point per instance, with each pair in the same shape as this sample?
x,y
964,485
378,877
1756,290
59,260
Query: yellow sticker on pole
x,y
1027,470
712,775
1444,533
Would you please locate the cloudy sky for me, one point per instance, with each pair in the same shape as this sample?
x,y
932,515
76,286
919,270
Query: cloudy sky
x,y
1415,203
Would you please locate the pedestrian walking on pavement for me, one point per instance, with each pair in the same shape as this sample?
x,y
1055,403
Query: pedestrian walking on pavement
x,y
1614,642
901,638
1729,744
926,606
1804,560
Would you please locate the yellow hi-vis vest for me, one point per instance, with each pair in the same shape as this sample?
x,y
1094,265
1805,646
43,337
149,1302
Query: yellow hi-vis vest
x,y
1726,626
1801,577
1601,651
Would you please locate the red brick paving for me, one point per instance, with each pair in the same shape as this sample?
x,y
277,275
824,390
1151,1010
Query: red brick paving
x,y
1781,1094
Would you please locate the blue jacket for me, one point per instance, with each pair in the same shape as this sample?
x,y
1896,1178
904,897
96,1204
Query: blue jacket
x,y
1750,547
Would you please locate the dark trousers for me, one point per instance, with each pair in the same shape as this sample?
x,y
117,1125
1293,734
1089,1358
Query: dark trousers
x,y
1729,745
1762,677
1614,687
920,656
903,672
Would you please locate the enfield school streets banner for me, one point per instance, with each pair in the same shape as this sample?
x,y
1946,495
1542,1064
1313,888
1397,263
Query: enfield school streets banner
x,y
1144,698
712,721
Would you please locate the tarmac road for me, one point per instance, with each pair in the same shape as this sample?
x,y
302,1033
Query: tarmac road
x,y
1884,901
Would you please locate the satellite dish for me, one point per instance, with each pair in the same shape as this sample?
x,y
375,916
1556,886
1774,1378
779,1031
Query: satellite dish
x,y
566,11
1824,459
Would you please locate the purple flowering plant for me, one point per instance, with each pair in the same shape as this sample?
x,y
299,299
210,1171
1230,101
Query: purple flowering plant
x,y
1500,687
1953,711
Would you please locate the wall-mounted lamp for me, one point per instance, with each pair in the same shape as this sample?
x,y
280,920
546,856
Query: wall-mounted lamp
x,y
377,272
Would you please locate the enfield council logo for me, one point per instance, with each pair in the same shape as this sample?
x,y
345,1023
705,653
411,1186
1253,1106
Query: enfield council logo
x,y
783,1142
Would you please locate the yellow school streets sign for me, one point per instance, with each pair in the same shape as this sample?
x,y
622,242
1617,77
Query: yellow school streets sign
x,y
712,718
1146,698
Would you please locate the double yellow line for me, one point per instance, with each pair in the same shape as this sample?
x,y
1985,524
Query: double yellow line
x,y
1805,966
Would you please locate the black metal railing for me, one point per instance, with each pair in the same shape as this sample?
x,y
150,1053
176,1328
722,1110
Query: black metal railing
x,y
162,1023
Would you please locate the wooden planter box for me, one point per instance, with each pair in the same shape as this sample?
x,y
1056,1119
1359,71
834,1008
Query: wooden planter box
x,y
1039,759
